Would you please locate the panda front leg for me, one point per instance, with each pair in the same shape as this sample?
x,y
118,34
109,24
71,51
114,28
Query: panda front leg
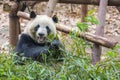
x,y
36,52
57,49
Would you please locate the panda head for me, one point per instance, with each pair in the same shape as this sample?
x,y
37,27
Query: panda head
x,y
41,28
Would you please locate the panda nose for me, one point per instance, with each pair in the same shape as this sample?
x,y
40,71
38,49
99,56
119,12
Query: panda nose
x,y
41,34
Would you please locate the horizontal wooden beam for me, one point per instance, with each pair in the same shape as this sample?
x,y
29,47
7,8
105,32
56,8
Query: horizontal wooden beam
x,y
89,2
90,37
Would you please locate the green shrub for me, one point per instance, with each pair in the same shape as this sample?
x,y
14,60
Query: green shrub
x,y
71,68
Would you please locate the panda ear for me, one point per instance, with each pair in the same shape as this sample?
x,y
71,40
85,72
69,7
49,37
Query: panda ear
x,y
55,19
32,14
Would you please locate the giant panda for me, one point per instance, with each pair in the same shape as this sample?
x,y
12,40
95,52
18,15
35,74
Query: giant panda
x,y
39,37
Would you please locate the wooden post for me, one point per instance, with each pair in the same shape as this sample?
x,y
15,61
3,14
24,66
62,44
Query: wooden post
x,y
84,10
14,25
50,7
99,30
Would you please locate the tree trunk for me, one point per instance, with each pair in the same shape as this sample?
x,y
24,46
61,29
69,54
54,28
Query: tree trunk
x,y
91,2
99,30
84,10
14,25
50,7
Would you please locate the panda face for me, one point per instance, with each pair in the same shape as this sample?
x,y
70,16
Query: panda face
x,y
40,28
41,33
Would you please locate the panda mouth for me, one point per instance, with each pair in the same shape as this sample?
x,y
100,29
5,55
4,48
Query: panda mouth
x,y
41,39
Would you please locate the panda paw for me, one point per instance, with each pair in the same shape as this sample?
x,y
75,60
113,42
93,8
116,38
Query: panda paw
x,y
55,43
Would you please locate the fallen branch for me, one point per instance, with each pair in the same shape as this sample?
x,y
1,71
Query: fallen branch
x,y
90,37
23,15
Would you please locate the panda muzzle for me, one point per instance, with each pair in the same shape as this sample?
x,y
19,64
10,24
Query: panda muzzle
x,y
41,39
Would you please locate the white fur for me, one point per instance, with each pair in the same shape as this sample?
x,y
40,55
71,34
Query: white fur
x,y
43,21
42,30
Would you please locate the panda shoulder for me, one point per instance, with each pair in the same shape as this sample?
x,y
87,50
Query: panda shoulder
x,y
24,37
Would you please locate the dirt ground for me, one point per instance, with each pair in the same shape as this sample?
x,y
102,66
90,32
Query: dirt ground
x,y
68,15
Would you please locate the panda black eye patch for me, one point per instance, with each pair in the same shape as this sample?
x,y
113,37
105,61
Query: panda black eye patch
x,y
48,29
36,27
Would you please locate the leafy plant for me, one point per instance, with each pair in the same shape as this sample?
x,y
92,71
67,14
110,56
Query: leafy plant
x,y
76,64
89,19
72,68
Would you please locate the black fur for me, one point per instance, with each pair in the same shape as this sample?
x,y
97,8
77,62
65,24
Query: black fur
x,y
27,47
32,14
36,27
48,30
55,19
